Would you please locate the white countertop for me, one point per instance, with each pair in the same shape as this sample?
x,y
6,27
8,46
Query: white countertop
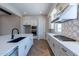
x,y
72,46
5,47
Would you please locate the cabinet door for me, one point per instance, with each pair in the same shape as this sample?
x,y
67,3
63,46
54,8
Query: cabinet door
x,y
56,49
28,44
21,50
59,50
48,40
53,45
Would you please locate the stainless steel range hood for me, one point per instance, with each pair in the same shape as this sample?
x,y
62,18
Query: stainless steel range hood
x,y
58,20
63,20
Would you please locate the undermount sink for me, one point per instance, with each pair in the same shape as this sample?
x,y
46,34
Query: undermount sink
x,y
63,38
16,40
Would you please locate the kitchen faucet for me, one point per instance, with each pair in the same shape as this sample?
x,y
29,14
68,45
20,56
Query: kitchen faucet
x,y
12,35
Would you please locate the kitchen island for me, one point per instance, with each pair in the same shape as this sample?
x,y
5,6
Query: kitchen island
x,y
22,46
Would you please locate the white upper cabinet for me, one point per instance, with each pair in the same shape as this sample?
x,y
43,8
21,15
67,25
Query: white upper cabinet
x,y
60,7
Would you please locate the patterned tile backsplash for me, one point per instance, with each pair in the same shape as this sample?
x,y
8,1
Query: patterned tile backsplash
x,y
71,29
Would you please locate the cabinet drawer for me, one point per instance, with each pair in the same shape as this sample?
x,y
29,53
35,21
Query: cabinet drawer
x,y
66,51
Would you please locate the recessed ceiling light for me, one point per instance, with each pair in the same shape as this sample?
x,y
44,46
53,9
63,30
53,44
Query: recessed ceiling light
x,y
40,12
25,12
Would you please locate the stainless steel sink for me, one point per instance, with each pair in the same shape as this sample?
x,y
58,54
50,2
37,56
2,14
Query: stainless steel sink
x,y
63,38
16,40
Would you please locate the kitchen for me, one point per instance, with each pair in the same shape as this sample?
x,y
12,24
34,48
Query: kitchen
x,y
24,25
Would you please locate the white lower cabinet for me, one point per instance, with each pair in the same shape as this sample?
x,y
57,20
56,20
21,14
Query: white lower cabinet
x,y
62,50
24,46
57,48
50,41
28,44
65,52
21,49
53,45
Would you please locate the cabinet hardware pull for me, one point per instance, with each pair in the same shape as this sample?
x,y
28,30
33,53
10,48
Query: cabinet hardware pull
x,y
64,50
53,45
25,46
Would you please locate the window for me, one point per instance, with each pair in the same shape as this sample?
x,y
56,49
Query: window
x,y
52,25
58,27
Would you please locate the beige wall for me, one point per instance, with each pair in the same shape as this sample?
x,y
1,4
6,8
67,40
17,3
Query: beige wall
x,y
7,23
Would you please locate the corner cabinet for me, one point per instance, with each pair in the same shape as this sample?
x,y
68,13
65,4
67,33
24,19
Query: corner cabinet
x,y
57,48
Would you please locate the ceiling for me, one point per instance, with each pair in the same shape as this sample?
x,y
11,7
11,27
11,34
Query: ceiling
x,y
32,8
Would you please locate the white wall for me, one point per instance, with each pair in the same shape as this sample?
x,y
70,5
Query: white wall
x,y
7,23
40,21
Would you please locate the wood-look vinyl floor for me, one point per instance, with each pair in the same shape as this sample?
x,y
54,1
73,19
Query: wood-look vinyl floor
x,y
40,48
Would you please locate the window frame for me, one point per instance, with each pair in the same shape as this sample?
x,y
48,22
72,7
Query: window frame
x,y
56,27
